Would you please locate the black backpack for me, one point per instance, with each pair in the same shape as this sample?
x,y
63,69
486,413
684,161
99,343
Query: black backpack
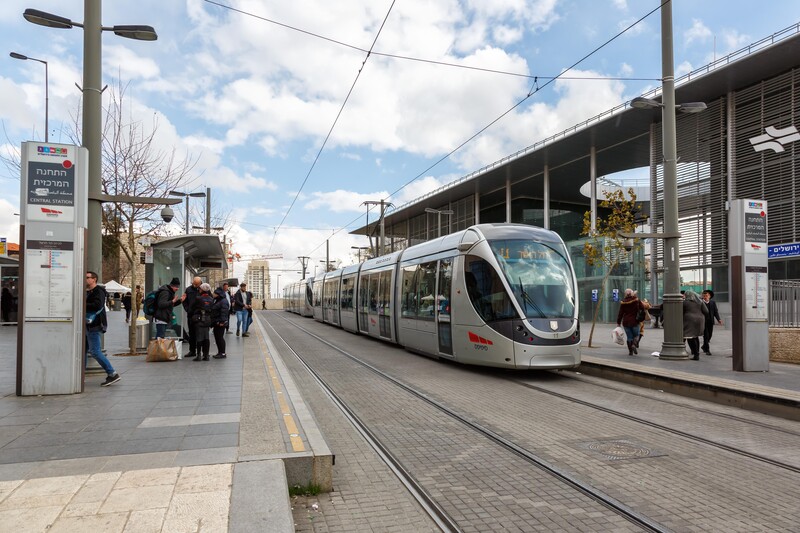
x,y
149,303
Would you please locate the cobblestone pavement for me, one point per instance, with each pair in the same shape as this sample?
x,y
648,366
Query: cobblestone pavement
x,y
682,483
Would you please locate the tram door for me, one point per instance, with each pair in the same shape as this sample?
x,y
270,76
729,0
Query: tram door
x,y
443,287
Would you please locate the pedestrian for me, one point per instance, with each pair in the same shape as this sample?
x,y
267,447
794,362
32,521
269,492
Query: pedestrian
x,y
220,314
229,298
166,299
6,302
191,293
138,299
201,320
263,304
628,317
713,314
126,303
243,305
694,321
646,305
96,325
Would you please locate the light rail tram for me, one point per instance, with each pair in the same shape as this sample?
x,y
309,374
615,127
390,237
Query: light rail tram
x,y
500,295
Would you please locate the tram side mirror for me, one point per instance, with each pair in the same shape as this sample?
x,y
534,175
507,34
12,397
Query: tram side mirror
x,y
465,246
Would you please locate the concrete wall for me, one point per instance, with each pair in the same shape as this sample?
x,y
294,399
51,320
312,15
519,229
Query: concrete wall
x,y
783,345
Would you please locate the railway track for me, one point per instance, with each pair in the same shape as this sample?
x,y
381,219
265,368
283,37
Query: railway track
x,y
435,510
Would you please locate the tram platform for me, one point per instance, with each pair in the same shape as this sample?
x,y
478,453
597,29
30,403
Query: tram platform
x,y
173,446
712,378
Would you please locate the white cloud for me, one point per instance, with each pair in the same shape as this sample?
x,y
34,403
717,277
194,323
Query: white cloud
x,y
9,223
125,64
341,201
699,32
622,5
625,70
733,40
684,68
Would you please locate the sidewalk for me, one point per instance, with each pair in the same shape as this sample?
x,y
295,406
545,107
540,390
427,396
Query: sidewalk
x,y
176,446
780,385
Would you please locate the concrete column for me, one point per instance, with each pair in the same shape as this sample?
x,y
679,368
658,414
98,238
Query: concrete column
x,y
546,197
593,181
477,205
508,200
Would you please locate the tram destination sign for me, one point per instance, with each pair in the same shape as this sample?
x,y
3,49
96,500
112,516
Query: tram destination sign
x,y
755,227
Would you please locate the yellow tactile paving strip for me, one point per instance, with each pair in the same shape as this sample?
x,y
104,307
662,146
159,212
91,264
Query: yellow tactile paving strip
x,y
288,418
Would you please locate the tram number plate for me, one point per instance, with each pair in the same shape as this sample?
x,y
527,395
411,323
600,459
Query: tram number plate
x,y
481,347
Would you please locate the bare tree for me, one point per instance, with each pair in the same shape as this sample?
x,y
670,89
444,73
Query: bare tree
x,y
134,165
606,246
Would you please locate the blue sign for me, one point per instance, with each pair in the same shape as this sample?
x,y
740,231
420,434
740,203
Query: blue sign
x,y
784,250
615,294
595,295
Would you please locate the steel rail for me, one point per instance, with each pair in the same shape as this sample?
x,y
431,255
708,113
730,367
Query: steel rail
x,y
600,497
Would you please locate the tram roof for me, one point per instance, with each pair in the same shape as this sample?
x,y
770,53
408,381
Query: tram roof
x,y
620,135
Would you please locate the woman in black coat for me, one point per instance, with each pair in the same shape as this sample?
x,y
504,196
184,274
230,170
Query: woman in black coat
x,y
201,321
220,314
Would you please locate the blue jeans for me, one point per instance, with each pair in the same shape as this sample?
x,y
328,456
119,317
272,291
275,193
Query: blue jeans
x,y
161,331
631,332
93,348
242,321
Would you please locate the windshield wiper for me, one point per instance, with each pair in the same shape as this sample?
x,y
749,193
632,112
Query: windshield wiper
x,y
528,300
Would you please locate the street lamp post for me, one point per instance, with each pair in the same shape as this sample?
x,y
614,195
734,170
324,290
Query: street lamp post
x,y
358,249
92,107
46,91
187,195
438,213
673,346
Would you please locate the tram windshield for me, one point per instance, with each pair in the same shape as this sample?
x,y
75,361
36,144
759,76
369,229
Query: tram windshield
x,y
539,275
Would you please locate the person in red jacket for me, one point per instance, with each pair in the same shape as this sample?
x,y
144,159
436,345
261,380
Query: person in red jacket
x,y
628,318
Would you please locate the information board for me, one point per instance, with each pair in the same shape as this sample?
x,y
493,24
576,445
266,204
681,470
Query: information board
x,y
48,280
756,293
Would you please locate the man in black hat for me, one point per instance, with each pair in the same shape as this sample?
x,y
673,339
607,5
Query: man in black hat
x,y
166,299
713,314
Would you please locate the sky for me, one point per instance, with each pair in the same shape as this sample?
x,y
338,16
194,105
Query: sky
x,y
294,124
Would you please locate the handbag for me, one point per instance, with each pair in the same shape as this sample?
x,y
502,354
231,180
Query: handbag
x,y
641,315
161,350
93,316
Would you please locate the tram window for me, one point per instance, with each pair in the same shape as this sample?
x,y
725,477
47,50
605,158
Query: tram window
x,y
317,293
363,294
309,294
347,293
373,293
426,290
445,283
486,291
408,307
384,307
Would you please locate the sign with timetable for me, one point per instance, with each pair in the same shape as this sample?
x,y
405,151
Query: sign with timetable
x,y
48,280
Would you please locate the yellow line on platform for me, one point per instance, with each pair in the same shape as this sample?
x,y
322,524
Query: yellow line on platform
x,y
288,418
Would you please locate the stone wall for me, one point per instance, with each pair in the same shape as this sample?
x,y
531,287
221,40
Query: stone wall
x,y
784,345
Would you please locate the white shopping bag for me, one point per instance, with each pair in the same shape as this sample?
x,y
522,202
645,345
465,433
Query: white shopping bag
x,y
618,335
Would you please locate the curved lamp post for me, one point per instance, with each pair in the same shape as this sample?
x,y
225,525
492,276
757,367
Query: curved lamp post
x,y
46,90
187,195
92,106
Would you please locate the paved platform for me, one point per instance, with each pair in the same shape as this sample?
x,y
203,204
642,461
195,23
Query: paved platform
x,y
711,378
174,446
205,446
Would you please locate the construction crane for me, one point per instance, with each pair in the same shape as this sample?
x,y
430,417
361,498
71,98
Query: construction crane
x,y
257,257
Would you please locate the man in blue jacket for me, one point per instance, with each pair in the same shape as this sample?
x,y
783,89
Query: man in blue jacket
x,y
96,325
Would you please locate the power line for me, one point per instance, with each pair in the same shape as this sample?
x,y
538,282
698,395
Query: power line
x,y
422,60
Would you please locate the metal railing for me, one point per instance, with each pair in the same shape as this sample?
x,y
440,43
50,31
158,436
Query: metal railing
x,y
784,303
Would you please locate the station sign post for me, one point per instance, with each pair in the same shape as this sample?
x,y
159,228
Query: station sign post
x,y
53,221
749,282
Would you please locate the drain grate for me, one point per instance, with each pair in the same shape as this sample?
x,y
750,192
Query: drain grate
x,y
619,449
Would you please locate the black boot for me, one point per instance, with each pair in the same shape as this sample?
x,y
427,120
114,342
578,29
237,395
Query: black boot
x,y
198,357
630,347
206,349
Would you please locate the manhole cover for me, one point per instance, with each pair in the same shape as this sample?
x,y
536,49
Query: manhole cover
x,y
618,449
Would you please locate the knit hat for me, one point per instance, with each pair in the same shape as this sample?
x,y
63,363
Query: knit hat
x,y
175,282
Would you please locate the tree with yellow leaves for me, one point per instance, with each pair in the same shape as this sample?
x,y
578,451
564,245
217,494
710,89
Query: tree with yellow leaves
x,y
606,245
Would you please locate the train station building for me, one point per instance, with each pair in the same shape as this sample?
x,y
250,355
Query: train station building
x,y
745,145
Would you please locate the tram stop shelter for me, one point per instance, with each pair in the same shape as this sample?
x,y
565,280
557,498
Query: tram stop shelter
x,y
183,257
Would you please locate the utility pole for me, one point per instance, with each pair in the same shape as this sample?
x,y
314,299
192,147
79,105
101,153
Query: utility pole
x,y
327,255
304,261
382,243
208,210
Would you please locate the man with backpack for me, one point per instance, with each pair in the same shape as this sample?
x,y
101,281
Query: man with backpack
x,y
96,325
164,299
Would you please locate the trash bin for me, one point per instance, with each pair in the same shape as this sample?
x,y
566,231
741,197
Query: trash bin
x,y
142,334
116,304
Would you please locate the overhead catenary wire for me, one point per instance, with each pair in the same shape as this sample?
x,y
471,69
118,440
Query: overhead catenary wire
x,y
535,88
419,59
